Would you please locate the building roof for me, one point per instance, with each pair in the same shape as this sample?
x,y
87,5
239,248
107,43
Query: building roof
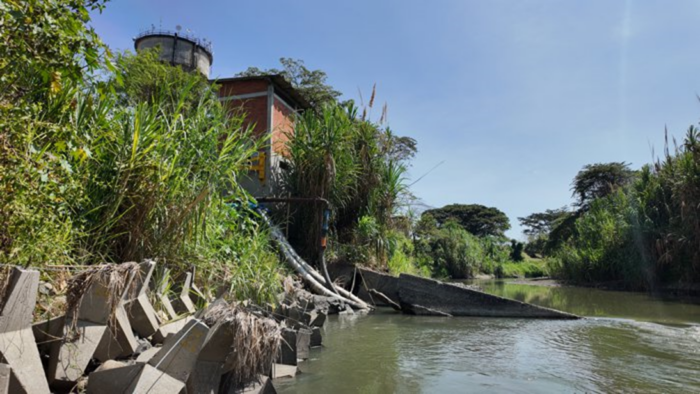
x,y
288,92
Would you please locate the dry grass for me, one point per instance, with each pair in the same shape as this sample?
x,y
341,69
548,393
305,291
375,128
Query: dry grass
x,y
115,277
256,341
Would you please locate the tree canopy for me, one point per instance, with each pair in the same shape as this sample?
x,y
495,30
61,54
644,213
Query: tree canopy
x,y
311,84
477,219
599,180
542,223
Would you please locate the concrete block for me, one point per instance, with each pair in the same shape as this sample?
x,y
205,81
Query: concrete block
x,y
318,318
144,279
263,385
17,343
147,355
5,372
288,347
142,316
170,329
283,371
316,337
179,353
70,357
47,332
303,343
137,378
183,304
118,341
162,294
206,376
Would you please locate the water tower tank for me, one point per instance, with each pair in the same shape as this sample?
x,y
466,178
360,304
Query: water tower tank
x,y
179,49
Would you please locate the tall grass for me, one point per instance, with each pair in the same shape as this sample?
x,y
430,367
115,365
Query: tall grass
x,y
352,162
645,235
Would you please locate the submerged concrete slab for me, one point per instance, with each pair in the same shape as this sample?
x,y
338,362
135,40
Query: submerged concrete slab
x,y
17,343
386,284
421,296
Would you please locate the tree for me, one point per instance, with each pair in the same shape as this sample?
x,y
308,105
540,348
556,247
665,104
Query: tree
x,y
476,219
541,223
599,180
311,84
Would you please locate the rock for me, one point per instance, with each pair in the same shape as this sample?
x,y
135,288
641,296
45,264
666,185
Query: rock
x,y
17,343
316,337
421,296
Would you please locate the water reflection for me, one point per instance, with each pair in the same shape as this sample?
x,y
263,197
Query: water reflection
x,y
392,353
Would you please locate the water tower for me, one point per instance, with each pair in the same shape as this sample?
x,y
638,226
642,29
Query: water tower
x,y
180,49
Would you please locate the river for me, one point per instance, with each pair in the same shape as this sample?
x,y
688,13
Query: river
x,y
629,342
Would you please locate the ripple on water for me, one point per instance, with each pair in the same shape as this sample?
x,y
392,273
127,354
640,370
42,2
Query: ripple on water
x,y
395,353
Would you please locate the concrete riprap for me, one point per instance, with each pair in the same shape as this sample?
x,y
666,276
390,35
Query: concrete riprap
x,y
183,303
5,372
17,343
206,376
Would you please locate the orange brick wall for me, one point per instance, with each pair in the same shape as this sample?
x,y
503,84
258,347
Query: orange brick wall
x,y
282,126
254,110
235,88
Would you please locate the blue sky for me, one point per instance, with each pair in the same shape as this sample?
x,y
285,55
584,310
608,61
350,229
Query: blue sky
x,y
515,96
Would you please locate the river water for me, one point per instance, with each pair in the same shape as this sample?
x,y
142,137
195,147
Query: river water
x,y
629,342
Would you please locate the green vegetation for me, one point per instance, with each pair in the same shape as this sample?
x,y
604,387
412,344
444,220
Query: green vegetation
x,y
477,219
138,165
637,230
311,84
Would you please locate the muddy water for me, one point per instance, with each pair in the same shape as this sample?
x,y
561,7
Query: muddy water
x,y
630,343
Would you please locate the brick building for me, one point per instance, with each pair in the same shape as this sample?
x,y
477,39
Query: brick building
x,y
268,103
